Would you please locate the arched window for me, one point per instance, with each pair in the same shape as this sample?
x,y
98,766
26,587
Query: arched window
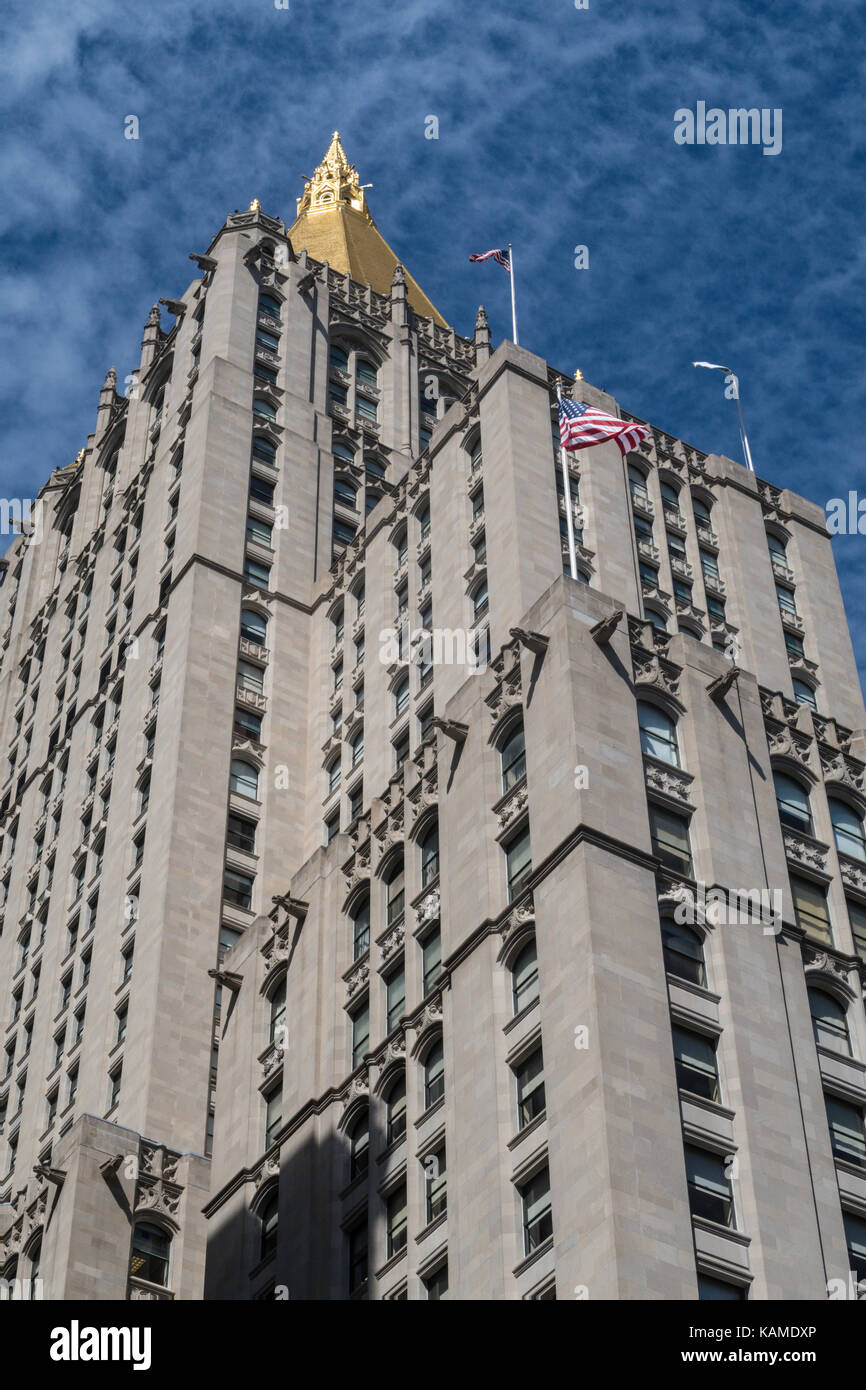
x,y
701,509
658,622
524,978
343,453
371,500
829,1022
847,829
804,694
658,733
359,1145
334,771
339,357
395,1110
512,756
150,1252
637,483
434,1075
670,495
374,467
8,1275
367,371
683,952
430,855
778,549
792,800
263,409
269,1214
277,1027
361,927
253,626
244,778
395,891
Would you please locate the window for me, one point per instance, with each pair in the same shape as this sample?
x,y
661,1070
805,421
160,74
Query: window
x,y
480,601
332,826
695,1057
847,829
361,928
434,1074
787,604
334,771
683,952
529,1076
430,855
711,1288
256,573
709,564
269,1217
367,372
855,1239
857,918
273,1113
345,493
395,1110
277,1023
357,1258
670,839
804,694
264,450
436,1184
829,1022
253,627
248,724
431,960
401,750
524,978
794,646
709,1186
244,778
360,1033
261,490
512,756
356,748
114,1087
436,1284
120,1033
259,531
637,484
537,1212
847,1136
150,1253
396,897
237,889
395,988
658,733
241,833
518,862
401,697
263,409
395,1221
356,801
810,907
359,1145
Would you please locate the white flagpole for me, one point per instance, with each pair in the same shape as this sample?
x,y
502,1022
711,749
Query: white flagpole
x,y
734,381
566,487
513,299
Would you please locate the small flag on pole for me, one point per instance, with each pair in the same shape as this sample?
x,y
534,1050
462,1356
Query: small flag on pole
x,y
500,256
581,426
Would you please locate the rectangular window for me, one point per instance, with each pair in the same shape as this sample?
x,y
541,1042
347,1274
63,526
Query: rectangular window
x,y
248,724
695,1057
396,996
518,860
396,1224
258,531
256,573
847,1134
437,1284
401,750
241,833
810,907
261,490
857,917
273,1114
114,1087
529,1076
537,1211
332,826
709,1186
250,677
238,889
670,840
360,1033
431,950
436,1187
357,1258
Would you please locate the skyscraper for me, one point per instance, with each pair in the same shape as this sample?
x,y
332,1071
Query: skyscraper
x,y
388,913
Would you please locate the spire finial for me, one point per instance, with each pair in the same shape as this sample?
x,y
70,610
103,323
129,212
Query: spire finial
x,y
481,318
578,374
334,183
255,206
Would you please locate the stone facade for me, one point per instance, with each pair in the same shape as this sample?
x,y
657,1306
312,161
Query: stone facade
x,y
274,861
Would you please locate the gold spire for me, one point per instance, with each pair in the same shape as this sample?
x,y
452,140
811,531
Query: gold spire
x,y
335,225
255,206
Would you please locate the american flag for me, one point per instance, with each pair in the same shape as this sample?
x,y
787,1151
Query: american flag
x,y
581,426
500,256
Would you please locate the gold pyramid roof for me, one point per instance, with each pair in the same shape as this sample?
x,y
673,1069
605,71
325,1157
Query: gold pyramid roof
x,y
335,225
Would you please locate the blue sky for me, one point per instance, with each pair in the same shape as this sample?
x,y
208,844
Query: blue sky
x,y
555,129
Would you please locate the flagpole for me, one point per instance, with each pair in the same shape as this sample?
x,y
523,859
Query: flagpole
x,y
746,450
513,299
566,487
